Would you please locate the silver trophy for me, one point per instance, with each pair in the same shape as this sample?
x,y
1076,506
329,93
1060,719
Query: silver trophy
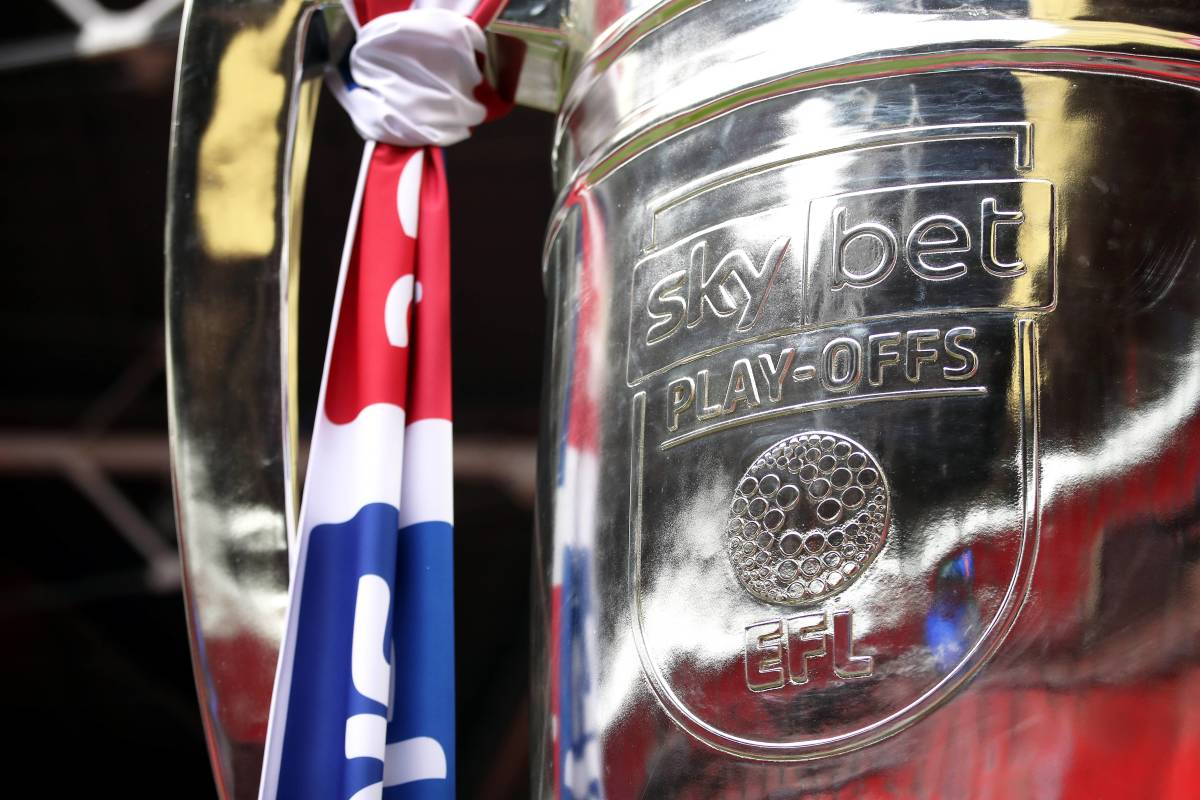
x,y
871,450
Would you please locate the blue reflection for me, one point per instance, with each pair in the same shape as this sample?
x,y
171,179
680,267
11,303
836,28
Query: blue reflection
x,y
953,620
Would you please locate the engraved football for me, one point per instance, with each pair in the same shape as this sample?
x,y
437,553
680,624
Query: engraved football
x,y
808,517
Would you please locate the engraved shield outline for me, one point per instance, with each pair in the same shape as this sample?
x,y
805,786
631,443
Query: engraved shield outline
x,y
1026,379
980,651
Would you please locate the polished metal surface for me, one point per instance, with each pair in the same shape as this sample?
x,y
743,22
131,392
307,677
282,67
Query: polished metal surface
x,y
244,105
870,451
528,41
245,102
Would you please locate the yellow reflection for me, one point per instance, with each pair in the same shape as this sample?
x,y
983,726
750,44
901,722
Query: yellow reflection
x,y
1085,32
309,94
1062,148
238,168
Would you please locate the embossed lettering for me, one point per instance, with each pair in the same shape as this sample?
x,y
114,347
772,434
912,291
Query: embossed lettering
x,y
666,307
706,410
992,218
735,284
741,386
915,352
805,372
820,372
845,663
681,394
765,656
935,235
807,640
983,244
864,233
938,235
966,245
965,356
775,372
778,652
879,355
841,364
720,284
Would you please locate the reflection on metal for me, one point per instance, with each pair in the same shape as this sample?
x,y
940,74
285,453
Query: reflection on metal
x,y
538,26
245,103
952,242
240,154
244,107
540,84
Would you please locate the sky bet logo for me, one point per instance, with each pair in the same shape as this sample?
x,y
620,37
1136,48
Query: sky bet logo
x,y
961,246
969,246
735,288
936,249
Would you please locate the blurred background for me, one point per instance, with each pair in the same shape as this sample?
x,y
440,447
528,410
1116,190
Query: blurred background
x,y
96,677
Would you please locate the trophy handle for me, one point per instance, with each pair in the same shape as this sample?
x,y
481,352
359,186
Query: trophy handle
x,y
245,102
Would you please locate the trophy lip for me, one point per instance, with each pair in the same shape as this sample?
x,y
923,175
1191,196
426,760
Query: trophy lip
x,y
599,128
635,139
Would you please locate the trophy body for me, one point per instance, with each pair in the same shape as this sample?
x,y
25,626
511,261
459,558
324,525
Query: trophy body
x,y
873,359
869,462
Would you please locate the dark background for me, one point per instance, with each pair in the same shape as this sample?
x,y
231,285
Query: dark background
x,y
95,679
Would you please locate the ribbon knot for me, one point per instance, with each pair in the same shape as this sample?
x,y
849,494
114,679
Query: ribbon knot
x,y
412,78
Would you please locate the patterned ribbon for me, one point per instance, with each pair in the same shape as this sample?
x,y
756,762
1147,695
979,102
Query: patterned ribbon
x,y
364,693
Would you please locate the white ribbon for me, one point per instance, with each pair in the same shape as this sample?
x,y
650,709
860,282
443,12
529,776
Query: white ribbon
x,y
414,76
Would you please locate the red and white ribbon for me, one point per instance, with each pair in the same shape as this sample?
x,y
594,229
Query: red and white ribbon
x,y
363,706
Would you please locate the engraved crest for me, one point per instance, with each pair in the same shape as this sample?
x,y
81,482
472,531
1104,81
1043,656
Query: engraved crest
x,y
809,460
810,514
